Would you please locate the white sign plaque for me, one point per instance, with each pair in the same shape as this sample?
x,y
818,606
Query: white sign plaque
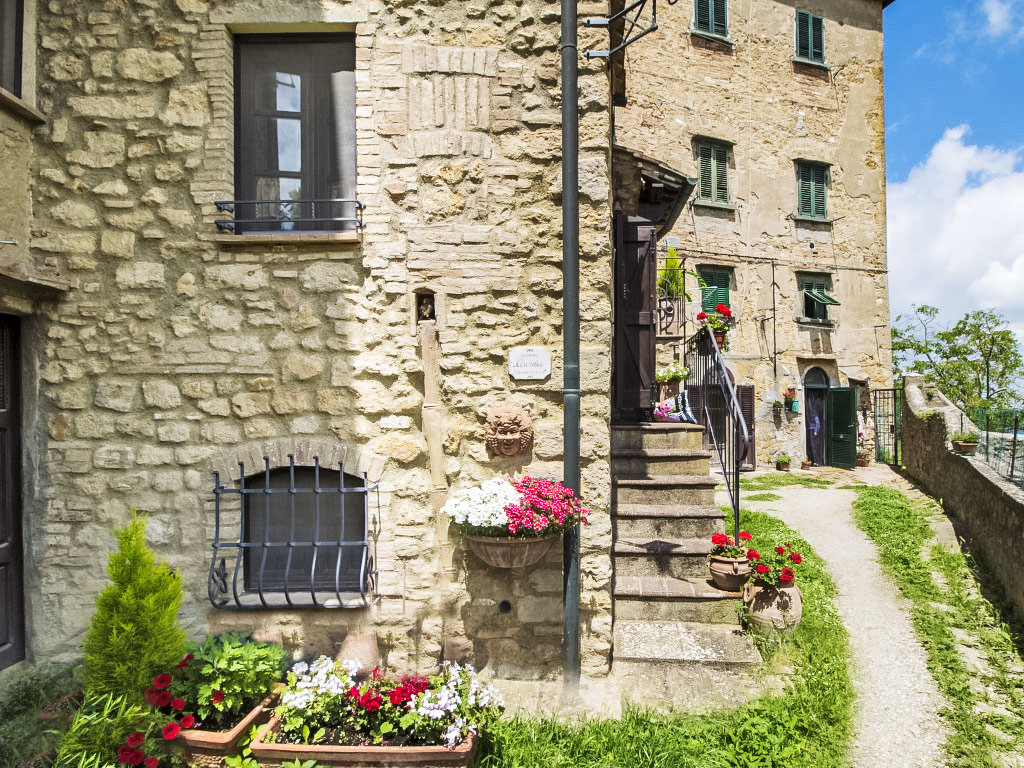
x,y
529,363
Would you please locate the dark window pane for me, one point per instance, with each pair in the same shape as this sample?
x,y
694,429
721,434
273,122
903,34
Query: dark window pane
x,y
10,46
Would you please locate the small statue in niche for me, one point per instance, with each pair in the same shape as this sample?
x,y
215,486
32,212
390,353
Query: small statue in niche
x,y
509,430
425,307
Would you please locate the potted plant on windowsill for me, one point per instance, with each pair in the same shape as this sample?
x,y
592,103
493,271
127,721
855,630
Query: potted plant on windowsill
x,y
772,598
513,523
717,324
221,688
965,442
668,379
728,561
328,716
782,462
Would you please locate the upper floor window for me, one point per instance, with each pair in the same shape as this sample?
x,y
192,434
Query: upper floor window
x,y
812,179
10,45
810,37
713,166
711,16
815,296
295,147
718,280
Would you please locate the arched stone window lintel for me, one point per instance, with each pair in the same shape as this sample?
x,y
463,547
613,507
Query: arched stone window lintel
x,y
356,459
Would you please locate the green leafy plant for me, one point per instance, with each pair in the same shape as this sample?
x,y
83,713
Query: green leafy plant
x,y
222,677
26,694
134,632
777,404
672,372
101,726
783,458
965,437
672,277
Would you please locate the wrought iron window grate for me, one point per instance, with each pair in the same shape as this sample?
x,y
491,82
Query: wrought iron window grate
x,y
291,537
269,216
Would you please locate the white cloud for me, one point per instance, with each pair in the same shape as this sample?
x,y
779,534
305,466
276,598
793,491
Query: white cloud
x,y
956,231
999,15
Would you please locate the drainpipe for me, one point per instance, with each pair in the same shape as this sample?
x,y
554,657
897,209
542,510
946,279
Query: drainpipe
x,y
571,339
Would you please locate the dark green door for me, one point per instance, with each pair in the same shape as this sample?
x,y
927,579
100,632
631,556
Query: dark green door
x,y
841,414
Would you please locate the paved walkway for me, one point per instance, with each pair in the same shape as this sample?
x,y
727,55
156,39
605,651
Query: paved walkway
x,y
896,723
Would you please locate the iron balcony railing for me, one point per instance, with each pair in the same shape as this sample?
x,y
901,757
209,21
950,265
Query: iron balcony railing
x,y
291,537
715,405
1001,441
334,214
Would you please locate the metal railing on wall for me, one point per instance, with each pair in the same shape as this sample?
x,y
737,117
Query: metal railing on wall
x,y
291,537
1001,441
715,405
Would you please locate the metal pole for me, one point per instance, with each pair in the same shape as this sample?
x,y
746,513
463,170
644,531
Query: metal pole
x,y
1013,445
571,339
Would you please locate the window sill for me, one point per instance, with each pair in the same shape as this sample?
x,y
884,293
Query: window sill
x,y
712,36
811,219
810,63
299,238
816,323
11,103
698,203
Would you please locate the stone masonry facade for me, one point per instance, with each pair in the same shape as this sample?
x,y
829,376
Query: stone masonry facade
x,y
178,349
745,91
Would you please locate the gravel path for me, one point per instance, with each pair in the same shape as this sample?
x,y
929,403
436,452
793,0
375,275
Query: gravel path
x,y
896,722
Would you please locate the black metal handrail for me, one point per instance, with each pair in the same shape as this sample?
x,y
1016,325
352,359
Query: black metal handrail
x,y
312,215
297,546
714,402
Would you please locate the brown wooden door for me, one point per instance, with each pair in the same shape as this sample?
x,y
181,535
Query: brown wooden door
x,y
12,617
635,316
745,394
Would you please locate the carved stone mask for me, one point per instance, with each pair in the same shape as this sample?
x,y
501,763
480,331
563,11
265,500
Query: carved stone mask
x,y
509,430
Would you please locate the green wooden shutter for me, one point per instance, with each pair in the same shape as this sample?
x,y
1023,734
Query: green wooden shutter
x,y
805,195
717,291
803,34
705,160
709,298
842,427
721,18
721,156
818,184
702,14
817,38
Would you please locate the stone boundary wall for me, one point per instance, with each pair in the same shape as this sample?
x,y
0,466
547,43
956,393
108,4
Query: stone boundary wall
x,y
989,510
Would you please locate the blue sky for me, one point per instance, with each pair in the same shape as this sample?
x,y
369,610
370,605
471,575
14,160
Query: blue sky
x,y
955,155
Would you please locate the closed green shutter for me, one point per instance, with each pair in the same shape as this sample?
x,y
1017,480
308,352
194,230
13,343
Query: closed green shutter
x,y
721,174
818,186
709,298
702,14
707,175
717,291
817,39
803,34
713,165
721,18
811,181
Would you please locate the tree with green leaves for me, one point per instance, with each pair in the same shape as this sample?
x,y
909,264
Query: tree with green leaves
x,y
976,363
134,634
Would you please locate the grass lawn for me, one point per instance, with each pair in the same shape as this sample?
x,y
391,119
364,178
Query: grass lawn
x,y
808,726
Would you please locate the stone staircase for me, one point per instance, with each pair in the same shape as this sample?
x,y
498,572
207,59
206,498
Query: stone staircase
x,y
671,624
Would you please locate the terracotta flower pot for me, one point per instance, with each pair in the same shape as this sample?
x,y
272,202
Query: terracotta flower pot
x,y
708,348
782,466
805,465
967,449
269,755
667,389
508,552
729,573
773,607
207,749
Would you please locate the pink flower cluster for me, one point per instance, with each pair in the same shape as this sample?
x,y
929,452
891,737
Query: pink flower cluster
x,y
543,504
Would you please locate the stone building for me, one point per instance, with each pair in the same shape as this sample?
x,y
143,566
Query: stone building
x,y
159,326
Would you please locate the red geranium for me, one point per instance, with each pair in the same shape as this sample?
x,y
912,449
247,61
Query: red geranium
x,y
702,315
162,681
188,721
720,539
178,704
134,739
796,557
786,575
780,550
764,570
152,762
217,697
151,693
123,753
136,757
184,662
162,699
744,536
170,731
752,554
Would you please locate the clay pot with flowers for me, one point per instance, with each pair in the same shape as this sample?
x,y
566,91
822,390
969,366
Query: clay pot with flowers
x,y
512,523
773,599
728,561
714,324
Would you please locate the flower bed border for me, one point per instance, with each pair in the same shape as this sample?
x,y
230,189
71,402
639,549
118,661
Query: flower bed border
x,y
210,747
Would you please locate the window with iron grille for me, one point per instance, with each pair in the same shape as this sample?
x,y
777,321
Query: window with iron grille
x,y
11,14
711,16
718,280
295,147
713,166
812,179
815,296
291,536
810,37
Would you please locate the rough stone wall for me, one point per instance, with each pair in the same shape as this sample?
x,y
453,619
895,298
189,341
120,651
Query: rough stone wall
x,y
772,110
988,509
179,350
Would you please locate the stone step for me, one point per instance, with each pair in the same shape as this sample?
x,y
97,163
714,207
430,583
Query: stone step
x,y
678,558
657,436
668,521
663,598
664,489
647,462
682,642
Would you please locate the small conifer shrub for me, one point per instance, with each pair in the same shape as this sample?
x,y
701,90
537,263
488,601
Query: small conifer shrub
x,y
134,633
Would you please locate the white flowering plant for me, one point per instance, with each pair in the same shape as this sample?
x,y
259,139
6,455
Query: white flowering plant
x,y
481,509
324,703
522,507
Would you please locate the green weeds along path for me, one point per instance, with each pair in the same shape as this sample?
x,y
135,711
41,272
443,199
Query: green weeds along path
x,y
971,652
806,727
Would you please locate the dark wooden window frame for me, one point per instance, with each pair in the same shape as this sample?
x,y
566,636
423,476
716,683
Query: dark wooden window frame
x,y
809,307
12,647
12,20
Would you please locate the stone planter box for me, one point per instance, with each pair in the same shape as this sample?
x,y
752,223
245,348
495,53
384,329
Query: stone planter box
x,y
207,749
967,449
270,755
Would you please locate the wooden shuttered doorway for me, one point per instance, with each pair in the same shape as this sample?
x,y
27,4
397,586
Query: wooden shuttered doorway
x,y
745,394
635,318
12,616
841,415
